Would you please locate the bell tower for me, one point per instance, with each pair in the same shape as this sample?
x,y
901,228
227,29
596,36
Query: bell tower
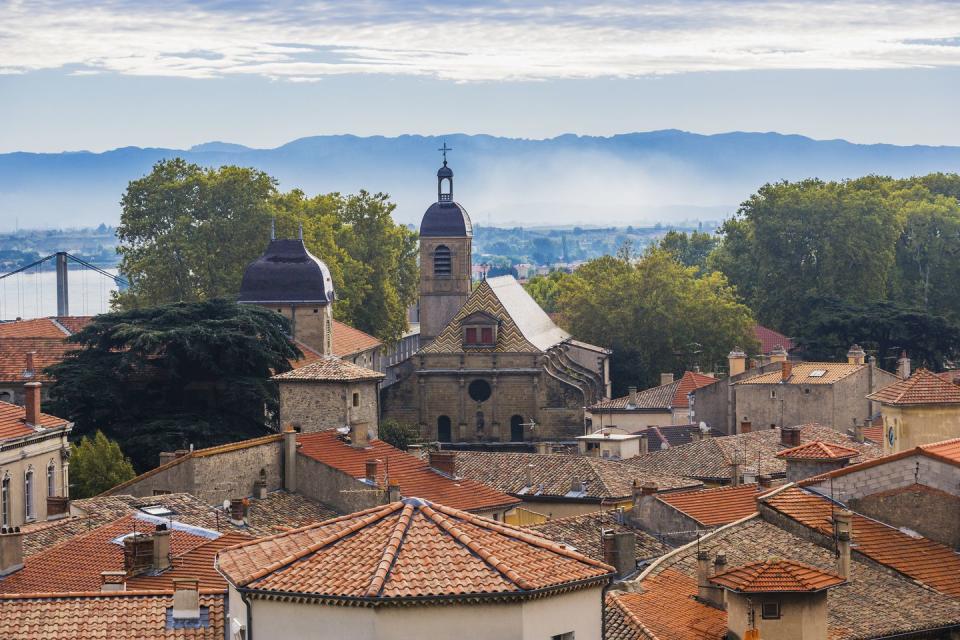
x,y
446,246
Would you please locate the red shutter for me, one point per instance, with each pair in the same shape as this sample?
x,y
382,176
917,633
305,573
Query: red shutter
x,y
471,335
487,335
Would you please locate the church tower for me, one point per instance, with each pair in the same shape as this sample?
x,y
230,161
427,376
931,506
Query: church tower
x,y
446,245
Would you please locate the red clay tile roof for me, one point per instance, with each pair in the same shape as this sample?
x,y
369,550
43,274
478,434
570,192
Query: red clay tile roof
x,y
101,616
691,381
874,434
818,450
408,549
347,341
73,324
583,533
329,369
415,476
13,423
714,507
35,328
672,395
777,576
13,356
770,339
926,561
922,387
664,610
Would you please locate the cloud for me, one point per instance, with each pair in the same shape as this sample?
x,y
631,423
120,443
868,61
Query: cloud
x,y
474,41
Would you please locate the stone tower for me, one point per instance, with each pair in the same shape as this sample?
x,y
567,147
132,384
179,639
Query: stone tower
x,y
446,239
290,280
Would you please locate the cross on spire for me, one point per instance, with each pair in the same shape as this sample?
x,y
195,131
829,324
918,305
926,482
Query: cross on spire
x,y
444,149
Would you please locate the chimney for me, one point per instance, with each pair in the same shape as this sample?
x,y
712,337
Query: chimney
x,y
260,485
843,521
765,481
903,365
737,361
786,368
29,369
856,355
529,475
790,436
779,354
735,474
11,550
186,599
113,581
393,491
644,444
237,511
576,484
161,548
445,462
634,399
167,456
137,553
620,551
544,448
695,434
746,426
179,453
858,430
706,592
290,459
370,473
666,378
31,402
359,434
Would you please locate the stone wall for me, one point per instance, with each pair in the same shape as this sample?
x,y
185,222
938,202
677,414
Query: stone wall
x,y
798,470
317,406
894,474
334,487
660,519
931,513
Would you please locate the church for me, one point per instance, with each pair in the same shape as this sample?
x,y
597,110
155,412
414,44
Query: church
x,y
492,365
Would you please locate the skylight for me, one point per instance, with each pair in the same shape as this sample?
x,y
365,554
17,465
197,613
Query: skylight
x,y
818,373
157,510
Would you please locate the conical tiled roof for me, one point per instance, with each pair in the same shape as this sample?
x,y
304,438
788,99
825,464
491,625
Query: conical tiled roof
x,y
776,575
408,549
923,387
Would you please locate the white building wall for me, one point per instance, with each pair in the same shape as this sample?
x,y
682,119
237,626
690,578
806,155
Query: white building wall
x,y
892,475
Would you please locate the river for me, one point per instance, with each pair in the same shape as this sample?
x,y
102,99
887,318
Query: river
x,y
34,295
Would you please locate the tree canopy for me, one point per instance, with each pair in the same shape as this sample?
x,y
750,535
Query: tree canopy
x,y
690,249
545,289
187,233
165,377
96,464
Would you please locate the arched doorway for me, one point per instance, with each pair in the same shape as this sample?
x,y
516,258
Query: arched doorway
x,y
443,429
516,428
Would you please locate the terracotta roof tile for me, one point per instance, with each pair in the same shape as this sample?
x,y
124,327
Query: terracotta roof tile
x,y
776,575
919,558
770,339
665,610
582,533
73,324
818,450
921,388
807,373
98,616
329,368
873,434
280,510
411,548
414,475
690,382
946,451
13,422
714,507
34,328
13,357
348,341
654,399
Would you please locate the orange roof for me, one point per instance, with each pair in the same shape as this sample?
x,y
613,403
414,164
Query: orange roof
x,y
328,369
818,450
13,423
666,608
922,387
415,476
73,324
13,356
770,339
776,575
690,382
808,373
713,507
35,328
115,615
347,341
408,549
926,561
945,451
874,434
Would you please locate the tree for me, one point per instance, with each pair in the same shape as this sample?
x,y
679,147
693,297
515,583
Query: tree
x,y
545,289
398,434
96,464
656,314
163,378
690,250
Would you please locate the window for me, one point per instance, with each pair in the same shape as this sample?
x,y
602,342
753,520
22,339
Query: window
x,y
773,394
569,635
770,611
443,429
28,510
471,335
480,335
5,501
818,373
356,399
479,390
441,261
486,335
51,479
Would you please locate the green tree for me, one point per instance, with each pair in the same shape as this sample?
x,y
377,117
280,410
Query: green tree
x,y
398,434
656,314
96,464
545,289
691,249
166,377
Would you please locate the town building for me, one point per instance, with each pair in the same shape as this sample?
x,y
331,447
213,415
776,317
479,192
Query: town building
x,y
28,347
584,533
663,405
919,410
773,344
493,581
611,446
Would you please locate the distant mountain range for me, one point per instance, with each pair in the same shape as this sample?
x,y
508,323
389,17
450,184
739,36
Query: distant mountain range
x,y
636,178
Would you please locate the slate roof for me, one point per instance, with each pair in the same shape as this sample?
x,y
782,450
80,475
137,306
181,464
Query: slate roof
x,y
117,616
801,373
446,220
329,369
583,532
553,475
409,549
710,459
287,273
818,450
13,422
524,326
13,357
922,388
718,506
776,576
415,476
664,437
770,339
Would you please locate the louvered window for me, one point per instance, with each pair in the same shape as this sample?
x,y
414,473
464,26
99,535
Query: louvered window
x,y
441,261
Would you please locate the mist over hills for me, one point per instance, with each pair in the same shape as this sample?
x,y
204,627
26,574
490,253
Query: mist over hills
x,y
636,178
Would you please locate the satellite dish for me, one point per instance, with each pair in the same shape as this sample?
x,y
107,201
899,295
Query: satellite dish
x,y
226,505
703,426
343,430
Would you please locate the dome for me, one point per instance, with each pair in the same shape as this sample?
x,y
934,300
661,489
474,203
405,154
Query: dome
x,y
444,171
446,219
287,272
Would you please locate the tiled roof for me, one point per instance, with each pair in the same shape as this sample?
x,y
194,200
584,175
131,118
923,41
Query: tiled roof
x,y
13,357
117,616
818,450
34,328
583,532
672,395
281,509
347,341
800,373
922,387
414,475
713,507
770,339
73,324
710,459
13,422
665,609
923,560
776,575
946,451
408,549
875,603
690,382
951,375
873,434
553,475
329,368
664,437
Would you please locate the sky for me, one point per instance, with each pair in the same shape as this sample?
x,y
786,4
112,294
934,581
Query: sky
x,y
95,76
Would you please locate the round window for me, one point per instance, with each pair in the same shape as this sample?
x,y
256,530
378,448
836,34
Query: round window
x,y
479,390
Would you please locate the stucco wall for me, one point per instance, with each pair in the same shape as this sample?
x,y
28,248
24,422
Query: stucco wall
x,y
17,458
317,406
915,426
803,617
632,421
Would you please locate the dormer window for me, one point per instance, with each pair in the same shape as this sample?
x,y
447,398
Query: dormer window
x,y
479,330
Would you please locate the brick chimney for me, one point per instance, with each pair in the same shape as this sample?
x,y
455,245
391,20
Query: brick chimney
x,y
444,462
786,369
528,470
290,459
706,592
393,491
31,403
666,378
620,551
903,365
186,599
843,521
779,354
644,444
634,399
137,553
113,581
856,355
370,470
576,484
746,426
11,550
765,481
790,436
858,430
734,473
238,511
161,548
544,448
359,435
29,368
737,362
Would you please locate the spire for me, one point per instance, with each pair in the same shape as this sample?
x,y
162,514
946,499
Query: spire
x,y
445,174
